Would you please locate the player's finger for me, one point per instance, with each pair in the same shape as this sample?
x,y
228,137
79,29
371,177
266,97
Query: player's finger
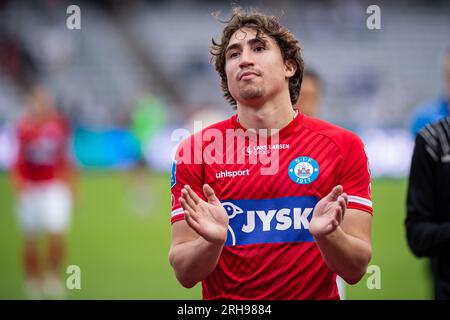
x,y
191,222
345,196
185,204
188,217
338,214
335,193
192,194
210,195
187,197
182,203
192,213
343,206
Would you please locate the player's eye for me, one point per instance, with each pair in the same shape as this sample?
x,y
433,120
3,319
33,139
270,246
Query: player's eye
x,y
233,55
259,48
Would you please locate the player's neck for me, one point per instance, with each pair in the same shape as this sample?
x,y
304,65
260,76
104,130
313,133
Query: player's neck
x,y
271,115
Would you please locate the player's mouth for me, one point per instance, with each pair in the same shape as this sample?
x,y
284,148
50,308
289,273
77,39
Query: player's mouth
x,y
247,75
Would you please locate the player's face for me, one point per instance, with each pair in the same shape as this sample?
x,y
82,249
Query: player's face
x,y
40,102
255,68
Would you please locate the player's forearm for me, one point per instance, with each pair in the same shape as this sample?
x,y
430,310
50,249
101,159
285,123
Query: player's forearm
x,y
345,255
194,260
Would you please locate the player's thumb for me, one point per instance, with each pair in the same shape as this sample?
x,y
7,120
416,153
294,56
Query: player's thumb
x,y
335,193
210,195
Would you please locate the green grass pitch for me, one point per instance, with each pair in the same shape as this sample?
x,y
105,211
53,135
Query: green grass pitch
x,y
120,237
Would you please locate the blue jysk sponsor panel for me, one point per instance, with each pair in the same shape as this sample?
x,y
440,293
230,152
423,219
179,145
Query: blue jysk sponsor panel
x,y
269,220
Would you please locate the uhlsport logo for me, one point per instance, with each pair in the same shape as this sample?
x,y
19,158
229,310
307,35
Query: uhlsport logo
x,y
269,220
303,170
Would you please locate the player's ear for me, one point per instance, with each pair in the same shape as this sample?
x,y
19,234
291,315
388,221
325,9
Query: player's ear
x,y
290,68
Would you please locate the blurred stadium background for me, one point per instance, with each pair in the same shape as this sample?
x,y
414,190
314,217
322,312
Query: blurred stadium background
x,y
137,70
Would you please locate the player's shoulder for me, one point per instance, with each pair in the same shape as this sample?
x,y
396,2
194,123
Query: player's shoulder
x,y
341,137
434,134
23,122
443,123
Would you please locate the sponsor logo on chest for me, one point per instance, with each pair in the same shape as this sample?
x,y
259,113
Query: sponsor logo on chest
x,y
232,174
266,148
269,220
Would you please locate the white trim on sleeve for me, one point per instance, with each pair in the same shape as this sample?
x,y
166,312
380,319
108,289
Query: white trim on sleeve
x,y
177,212
360,200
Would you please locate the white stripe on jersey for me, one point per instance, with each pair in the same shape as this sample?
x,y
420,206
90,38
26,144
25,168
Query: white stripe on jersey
x,y
360,200
177,212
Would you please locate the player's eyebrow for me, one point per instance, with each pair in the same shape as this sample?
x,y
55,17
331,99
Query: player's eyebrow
x,y
233,46
254,41
251,42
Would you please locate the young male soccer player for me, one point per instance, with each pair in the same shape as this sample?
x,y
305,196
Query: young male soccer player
x,y
42,177
278,229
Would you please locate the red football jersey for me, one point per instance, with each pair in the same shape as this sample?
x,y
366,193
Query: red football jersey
x,y
43,148
269,252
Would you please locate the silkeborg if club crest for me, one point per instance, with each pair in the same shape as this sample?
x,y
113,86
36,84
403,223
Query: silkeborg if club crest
x,y
303,170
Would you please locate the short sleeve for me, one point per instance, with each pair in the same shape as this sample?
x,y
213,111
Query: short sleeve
x,y
186,170
355,176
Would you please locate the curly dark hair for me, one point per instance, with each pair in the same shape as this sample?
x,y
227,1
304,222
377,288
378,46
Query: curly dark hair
x,y
263,25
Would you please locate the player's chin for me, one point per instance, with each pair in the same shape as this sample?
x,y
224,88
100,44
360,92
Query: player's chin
x,y
251,93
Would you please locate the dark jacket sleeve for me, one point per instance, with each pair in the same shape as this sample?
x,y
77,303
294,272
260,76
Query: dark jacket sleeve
x,y
426,236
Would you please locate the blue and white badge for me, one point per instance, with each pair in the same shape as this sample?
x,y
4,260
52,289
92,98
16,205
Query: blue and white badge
x,y
303,170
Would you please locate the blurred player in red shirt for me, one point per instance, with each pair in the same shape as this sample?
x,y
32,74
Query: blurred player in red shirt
x,y
250,230
310,94
44,182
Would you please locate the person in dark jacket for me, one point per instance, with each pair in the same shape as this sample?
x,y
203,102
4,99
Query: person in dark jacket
x,y
428,202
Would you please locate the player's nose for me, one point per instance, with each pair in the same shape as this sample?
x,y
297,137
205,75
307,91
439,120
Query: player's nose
x,y
246,59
